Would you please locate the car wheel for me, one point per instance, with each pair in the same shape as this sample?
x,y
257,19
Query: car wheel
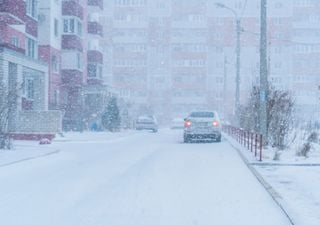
x,y
154,130
218,139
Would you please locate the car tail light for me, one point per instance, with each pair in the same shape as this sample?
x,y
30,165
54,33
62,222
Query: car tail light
x,y
187,123
215,124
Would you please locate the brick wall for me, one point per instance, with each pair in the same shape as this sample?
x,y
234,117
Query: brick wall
x,y
40,122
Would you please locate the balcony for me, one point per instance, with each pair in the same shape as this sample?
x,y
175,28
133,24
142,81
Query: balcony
x,y
94,73
15,10
71,42
97,3
95,56
72,8
72,77
95,28
31,26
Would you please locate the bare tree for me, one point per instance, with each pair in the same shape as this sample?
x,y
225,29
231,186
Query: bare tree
x,y
8,103
279,115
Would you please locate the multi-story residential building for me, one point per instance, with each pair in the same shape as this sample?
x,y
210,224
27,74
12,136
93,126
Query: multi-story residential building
x,y
96,93
83,92
165,56
50,30
305,66
73,62
126,50
173,56
22,73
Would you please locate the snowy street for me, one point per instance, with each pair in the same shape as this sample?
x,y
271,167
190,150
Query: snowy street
x,y
137,179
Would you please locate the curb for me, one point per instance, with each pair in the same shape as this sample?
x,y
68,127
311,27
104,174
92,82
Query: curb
x,y
30,158
272,192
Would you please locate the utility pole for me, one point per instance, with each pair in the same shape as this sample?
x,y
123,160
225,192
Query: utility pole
x,y
238,46
225,87
263,73
238,68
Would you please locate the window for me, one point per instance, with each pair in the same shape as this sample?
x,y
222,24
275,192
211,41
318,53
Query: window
x,y
55,64
100,71
72,26
32,8
56,27
202,114
79,28
68,25
56,97
78,61
92,70
29,88
15,41
31,48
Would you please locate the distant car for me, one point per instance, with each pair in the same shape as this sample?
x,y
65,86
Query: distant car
x,y
177,123
147,123
202,125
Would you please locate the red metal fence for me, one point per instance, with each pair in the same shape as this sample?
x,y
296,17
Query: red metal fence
x,y
252,141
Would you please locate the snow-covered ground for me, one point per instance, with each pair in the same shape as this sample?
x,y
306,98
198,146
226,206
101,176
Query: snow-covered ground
x,y
136,178
296,179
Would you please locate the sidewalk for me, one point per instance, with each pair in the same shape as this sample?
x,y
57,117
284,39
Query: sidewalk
x,y
24,151
29,150
294,182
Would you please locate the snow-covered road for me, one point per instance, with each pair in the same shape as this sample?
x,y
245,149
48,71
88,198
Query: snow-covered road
x,y
139,179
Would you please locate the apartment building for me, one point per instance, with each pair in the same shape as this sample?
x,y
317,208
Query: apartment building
x,y
169,57
95,93
22,73
73,61
50,30
126,46
305,58
172,56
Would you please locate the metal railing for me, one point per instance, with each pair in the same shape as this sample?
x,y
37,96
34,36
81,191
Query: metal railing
x,y
251,140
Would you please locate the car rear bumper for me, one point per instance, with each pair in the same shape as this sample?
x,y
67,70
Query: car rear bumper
x,y
146,127
216,135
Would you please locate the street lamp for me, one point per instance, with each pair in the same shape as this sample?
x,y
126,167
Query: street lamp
x,y
238,32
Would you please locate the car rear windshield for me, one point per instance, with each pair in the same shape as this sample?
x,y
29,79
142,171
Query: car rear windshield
x,y
202,114
143,118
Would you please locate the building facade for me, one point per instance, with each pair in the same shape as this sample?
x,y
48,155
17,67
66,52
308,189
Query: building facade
x,y
22,75
169,57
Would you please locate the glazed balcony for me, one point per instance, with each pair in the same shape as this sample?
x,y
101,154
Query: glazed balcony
x,y
96,3
95,56
94,71
71,42
71,77
15,10
72,8
95,28
31,26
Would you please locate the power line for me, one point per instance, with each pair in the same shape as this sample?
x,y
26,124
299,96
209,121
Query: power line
x,y
280,39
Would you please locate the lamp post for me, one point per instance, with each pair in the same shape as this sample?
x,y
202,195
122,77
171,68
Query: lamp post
x,y
238,32
263,72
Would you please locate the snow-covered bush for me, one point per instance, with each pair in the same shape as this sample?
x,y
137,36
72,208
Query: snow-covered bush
x,y
313,137
307,142
304,149
279,115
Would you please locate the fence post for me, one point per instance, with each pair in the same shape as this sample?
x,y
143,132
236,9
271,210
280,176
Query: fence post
x,y
252,142
256,145
248,140
261,145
